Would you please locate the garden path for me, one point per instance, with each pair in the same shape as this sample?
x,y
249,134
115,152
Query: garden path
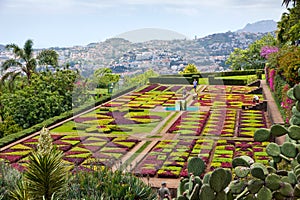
x,y
272,111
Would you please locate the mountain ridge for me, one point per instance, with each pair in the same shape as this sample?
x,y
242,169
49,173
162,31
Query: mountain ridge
x,y
262,26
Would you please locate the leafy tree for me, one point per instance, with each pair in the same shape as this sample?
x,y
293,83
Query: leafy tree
x,y
104,76
48,95
9,126
250,58
190,69
238,59
288,60
139,79
289,26
25,62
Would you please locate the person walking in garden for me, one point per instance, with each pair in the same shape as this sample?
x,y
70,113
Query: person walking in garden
x,y
195,83
163,192
255,99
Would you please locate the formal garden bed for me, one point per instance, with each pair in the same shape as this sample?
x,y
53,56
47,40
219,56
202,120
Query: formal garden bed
x,y
108,133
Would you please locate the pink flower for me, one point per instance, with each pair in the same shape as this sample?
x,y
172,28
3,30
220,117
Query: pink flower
x,y
267,50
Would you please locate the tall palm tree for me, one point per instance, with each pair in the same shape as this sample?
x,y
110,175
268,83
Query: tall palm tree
x,y
25,61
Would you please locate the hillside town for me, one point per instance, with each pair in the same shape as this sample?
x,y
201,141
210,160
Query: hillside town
x,y
163,56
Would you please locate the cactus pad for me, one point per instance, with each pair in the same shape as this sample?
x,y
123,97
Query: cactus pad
x,y
297,105
286,189
221,195
264,194
273,149
296,92
262,135
289,149
294,132
241,171
295,111
254,185
278,130
297,190
196,166
258,172
218,180
206,192
237,186
245,161
273,182
294,120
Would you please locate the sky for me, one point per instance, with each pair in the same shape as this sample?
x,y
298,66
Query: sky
x,y
66,23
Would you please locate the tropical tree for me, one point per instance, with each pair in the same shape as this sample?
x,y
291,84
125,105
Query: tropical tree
x,y
289,25
25,62
189,69
287,2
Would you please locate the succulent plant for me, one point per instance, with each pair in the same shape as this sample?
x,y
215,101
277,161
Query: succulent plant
x,y
196,166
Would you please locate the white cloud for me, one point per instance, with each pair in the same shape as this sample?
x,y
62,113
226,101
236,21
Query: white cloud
x,y
187,11
100,4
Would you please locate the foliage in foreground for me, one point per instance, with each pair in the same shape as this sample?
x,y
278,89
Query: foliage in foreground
x,y
103,183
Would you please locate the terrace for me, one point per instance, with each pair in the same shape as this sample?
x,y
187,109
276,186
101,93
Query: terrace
x,y
134,131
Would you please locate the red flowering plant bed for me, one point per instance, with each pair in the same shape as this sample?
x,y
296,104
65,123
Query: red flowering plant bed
x,y
250,121
232,96
229,89
221,122
147,98
167,159
203,149
226,150
76,148
189,123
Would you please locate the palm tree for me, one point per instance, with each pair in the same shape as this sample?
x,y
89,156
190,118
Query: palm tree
x,y
287,2
25,61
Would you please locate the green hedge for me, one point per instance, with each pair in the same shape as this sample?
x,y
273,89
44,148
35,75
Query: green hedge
x,y
216,74
19,135
172,80
227,82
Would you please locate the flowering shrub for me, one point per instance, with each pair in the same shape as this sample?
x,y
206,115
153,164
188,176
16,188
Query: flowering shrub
x,y
271,79
286,103
267,50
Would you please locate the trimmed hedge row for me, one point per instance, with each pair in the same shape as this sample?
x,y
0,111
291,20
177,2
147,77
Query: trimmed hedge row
x,y
21,134
172,80
213,81
216,74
